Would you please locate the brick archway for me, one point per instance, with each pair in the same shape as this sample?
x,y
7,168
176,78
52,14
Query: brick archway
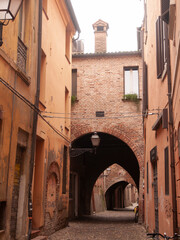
x,y
121,179
122,132
132,139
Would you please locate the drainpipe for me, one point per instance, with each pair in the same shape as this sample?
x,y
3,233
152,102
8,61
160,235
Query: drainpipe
x,y
171,137
35,118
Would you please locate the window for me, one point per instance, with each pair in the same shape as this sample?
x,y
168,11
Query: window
x,y
161,46
21,27
64,170
100,28
131,80
166,165
22,49
74,82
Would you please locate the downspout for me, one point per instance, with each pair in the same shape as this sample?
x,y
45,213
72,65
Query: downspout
x,y
35,118
171,137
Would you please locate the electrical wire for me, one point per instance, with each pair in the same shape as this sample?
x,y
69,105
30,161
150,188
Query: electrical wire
x,y
79,112
33,107
98,118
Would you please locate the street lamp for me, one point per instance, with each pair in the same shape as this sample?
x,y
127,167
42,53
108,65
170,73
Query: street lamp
x,y
95,140
8,11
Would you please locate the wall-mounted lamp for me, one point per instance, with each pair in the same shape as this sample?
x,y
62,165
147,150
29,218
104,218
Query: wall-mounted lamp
x,y
95,139
8,11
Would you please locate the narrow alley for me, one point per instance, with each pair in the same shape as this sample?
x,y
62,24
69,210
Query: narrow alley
x,y
105,225
89,119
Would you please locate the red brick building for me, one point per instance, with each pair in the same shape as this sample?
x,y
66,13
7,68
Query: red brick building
x,y
107,89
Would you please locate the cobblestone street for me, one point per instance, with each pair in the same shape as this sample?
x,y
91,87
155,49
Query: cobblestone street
x,y
109,225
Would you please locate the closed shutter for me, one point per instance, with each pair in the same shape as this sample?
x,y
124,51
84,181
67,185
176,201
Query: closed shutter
x,y
165,39
159,47
165,10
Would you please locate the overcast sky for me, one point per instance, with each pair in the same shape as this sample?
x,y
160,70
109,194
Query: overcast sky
x,y
123,17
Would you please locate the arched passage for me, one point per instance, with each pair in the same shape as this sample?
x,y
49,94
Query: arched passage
x,y
115,195
89,166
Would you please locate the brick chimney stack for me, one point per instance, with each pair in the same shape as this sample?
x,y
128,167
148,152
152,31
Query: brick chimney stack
x,y
100,32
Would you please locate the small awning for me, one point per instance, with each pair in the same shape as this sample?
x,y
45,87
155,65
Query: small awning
x,y
162,119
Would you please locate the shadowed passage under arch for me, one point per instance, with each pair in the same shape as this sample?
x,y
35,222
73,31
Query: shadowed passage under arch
x,y
88,166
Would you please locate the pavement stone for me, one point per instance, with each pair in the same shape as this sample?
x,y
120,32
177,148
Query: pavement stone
x,y
108,225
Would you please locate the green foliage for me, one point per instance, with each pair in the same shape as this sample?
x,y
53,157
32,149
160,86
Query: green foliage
x,y
73,99
131,97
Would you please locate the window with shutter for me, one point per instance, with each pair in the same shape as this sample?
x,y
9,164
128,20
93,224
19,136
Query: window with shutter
x,y
131,80
161,46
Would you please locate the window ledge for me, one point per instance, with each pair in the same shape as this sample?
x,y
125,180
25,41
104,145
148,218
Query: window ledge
x,y
14,66
23,76
129,100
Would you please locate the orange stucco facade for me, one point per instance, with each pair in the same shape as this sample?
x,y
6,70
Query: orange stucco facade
x,y
35,83
51,169
174,26
18,71
161,120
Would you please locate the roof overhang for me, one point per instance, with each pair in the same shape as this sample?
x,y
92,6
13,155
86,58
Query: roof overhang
x,y
72,14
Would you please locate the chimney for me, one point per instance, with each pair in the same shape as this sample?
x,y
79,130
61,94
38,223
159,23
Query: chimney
x,y
100,32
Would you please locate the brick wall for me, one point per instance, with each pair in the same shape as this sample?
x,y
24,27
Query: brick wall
x,y
100,87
